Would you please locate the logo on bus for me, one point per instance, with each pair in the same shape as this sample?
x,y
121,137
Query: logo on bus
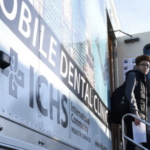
x,y
16,76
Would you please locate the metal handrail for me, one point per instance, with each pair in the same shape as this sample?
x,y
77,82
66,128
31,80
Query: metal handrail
x,y
124,136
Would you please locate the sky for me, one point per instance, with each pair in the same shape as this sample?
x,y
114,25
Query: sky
x,y
134,15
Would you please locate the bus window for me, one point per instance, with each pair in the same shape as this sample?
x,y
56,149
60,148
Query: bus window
x,y
147,49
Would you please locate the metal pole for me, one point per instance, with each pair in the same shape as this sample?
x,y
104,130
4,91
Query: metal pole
x,y
124,136
122,32
123,141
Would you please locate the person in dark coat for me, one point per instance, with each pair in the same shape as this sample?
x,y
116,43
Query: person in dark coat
x,y
136,92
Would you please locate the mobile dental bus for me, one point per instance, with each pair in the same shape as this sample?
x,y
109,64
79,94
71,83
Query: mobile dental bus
x,y
54,76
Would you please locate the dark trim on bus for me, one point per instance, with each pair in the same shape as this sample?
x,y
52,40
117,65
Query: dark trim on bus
x,y
146,47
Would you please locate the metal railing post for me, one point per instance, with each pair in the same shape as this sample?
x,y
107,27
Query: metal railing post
x,y
124,136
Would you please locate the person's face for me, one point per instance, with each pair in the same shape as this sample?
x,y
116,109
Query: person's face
x,y
144,66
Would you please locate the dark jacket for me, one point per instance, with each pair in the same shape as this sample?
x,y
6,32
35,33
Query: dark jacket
x,y
136,92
